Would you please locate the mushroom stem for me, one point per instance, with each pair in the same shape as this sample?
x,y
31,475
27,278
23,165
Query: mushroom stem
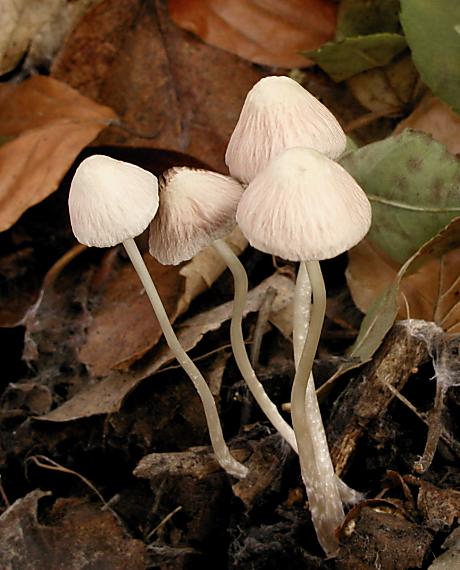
x,y
320,481
221,451
239,350
302,307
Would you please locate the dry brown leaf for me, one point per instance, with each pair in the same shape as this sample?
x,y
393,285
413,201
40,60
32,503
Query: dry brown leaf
x,y
436,118
123,326
206,267
387,90
183,95
36,29
107,395
268,32
75,535
51,123
431,293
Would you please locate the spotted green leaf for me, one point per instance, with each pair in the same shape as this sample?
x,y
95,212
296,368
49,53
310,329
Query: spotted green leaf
x,y
413,183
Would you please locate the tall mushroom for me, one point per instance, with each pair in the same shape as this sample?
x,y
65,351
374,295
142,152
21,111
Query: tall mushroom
x,y
112,202
305,207
277,114
197,208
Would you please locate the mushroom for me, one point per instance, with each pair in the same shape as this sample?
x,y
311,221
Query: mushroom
x,y
305,207
197,208
112,202
277,114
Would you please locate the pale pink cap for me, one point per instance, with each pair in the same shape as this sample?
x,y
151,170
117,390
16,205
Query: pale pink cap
x,y
111,201
277,114
304,206
196,208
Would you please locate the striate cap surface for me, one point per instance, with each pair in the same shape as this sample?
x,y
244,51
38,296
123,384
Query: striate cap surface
x,y
278,114
304,206
196,208
111,201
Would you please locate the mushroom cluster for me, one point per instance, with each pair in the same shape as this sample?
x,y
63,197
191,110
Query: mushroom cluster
x,y
290,199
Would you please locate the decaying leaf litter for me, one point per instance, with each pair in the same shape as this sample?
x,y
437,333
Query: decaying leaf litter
x,y
100,428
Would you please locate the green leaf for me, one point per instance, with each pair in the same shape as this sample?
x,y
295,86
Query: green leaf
x,y
363,17
350,56
382,314
413,184
431,29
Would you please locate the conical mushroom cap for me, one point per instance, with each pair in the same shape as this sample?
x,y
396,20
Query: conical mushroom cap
x,y
111,201
278,114
196,208
304,206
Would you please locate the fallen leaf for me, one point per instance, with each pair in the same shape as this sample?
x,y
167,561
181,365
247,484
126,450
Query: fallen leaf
x,y
54,327
206,267
384,309
51,123
385,531
35,29
451,558
266,465
266,32
363,17
344,58
431,293
387,90
19,290
75,535
440,507
123,326
413,184
171,90
437,59
108,394
436,118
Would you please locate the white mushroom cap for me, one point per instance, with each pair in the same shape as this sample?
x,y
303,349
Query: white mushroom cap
x,y
304,206
111,201
277,114
196,208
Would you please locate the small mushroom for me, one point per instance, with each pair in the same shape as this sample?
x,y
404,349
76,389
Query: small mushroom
x,y
197,207
111,202
277,114
305,207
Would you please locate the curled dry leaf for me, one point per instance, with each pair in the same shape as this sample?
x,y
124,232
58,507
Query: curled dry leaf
x,y
431,293
107,396
267,32
436,118
51,123
384,309
74,535
178,93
